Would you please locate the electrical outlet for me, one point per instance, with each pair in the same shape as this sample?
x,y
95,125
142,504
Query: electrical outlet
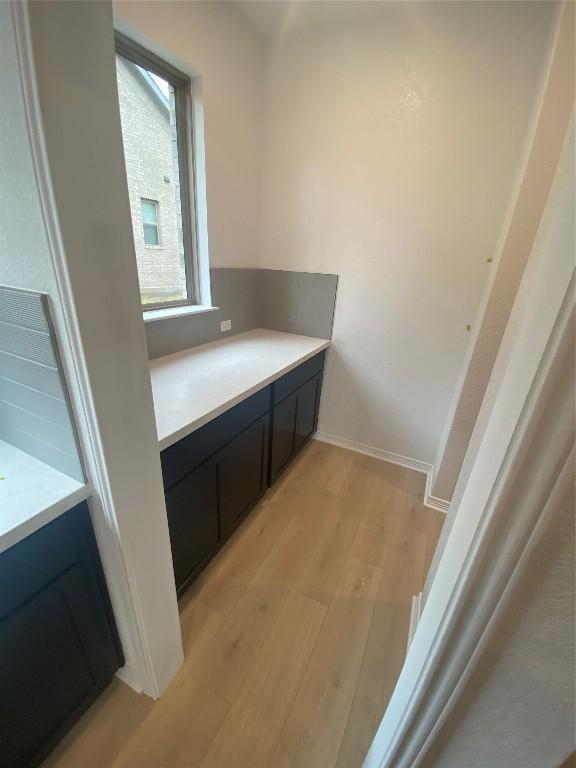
x,y
225,325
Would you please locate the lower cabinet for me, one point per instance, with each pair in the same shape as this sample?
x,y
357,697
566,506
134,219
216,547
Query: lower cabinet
x,y
307,406
58,643
294,420
215,476
206,505
192,508
243,473
282,440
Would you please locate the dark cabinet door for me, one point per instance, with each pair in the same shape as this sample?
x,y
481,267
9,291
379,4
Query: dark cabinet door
x,y
56,652
283,432
307,403
294,419
243,467
192,508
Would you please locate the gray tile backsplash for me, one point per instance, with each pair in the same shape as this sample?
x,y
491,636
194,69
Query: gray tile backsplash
x,y
295,302
34,411
234,291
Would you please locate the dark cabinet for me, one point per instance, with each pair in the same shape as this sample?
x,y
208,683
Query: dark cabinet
x,y
294,420
192,508
307,404
58,642
185,455
243,473
282,440
207,505
214,476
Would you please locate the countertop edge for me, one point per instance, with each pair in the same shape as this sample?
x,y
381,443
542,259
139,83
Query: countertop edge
x,y
174,437
32,524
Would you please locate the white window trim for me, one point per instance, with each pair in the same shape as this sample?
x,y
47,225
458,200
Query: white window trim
x,y
198,266
165,313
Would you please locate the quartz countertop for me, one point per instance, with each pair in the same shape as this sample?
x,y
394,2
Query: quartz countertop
x,y
192,387
31,494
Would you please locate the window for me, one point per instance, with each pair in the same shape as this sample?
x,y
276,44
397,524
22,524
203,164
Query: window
x,y
150,221
155,112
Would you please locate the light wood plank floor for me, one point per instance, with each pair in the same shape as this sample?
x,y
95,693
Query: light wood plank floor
x,y
294,635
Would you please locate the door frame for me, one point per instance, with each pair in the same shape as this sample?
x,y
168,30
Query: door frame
x,y
507,494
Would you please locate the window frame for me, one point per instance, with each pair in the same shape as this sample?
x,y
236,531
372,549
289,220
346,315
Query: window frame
x,y
155,223
182,84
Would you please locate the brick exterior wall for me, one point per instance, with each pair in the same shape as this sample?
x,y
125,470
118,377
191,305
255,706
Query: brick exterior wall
x,y
149,136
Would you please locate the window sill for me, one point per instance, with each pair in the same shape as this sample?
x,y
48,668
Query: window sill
x,y
154,315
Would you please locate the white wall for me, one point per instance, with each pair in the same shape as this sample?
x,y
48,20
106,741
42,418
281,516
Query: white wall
x,y
549,157
86,260
218,43
25,260
541,154
518,709
393,141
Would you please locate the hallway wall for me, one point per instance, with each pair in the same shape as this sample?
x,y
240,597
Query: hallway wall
x,y
518,708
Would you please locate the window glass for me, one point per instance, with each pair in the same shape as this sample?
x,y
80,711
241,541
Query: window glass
x,y
148,112
150,221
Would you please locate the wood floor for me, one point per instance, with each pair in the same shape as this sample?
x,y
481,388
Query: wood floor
x,y
294,635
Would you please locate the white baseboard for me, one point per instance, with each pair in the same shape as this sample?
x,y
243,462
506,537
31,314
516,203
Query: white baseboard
x,y
415,609
433,501
441,505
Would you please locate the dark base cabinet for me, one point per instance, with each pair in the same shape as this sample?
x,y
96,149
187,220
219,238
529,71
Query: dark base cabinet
x,y
294,420
59,646
212,479
243,474
215,476
207,505
282,442
192,508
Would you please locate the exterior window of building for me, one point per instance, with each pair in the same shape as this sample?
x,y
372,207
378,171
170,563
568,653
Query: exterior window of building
x,y
150,221
154,101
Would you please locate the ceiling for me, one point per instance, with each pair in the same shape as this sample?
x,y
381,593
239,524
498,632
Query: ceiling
x,y
267,16
273,17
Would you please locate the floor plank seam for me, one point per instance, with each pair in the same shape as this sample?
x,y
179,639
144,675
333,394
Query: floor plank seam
x,y
300,683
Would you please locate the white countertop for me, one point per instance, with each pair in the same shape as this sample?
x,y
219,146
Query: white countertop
x,y
194,386
31,494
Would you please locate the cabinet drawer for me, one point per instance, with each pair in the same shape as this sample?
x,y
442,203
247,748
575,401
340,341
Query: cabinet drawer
x,y
179,459
293,380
